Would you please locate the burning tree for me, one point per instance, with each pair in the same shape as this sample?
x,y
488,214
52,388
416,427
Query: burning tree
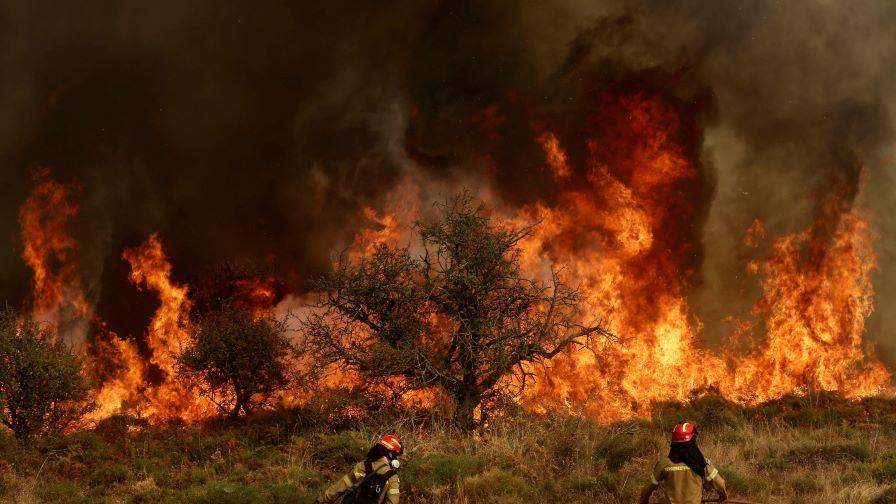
x,y
237,360
460,317
42,388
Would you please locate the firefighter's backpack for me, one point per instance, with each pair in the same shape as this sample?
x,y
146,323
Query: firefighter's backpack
x,y
368,491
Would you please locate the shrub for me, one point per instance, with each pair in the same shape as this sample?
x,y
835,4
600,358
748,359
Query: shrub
x,y
605,484
84,446
189,477
823,454
569,439
434,470
146,492
116,427
712,411
238,360
810,417
200,449
337,450
735,481
470,279
496,482
41,385
616,450
109,475
62,492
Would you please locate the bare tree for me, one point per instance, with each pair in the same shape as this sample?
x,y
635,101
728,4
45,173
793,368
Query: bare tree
x,y
462,317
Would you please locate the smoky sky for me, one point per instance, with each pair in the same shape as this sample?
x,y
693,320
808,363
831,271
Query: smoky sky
x,y
254,131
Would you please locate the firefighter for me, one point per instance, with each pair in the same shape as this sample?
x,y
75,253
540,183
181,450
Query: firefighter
x,y
684,472
372,481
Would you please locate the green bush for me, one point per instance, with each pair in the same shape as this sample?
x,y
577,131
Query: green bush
x,y
61,492
188,477
337,450
42,387
569,439
496,482
616,450
712,411
149,496
811,417
735,481
433,470
237,359
200,448
109,475
823,454
308,478
87,446
603,485
772,462
732,437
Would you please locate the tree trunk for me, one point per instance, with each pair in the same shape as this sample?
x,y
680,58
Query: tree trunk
x,y
238,401
465,410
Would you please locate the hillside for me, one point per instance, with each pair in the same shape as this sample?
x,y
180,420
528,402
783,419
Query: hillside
x,y
820,449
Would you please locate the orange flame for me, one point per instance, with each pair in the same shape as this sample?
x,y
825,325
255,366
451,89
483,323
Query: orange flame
x,y
622,230
620,238
46,218
257,295
554,156
817,294
168,333
755,234
634,271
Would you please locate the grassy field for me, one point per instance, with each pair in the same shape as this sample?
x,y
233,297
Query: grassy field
x,y
819,449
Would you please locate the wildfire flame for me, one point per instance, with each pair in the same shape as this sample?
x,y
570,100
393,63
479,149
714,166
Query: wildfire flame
x,y
45,219
622,236
622,227
257,295
634,271
168,333
817,294
554,156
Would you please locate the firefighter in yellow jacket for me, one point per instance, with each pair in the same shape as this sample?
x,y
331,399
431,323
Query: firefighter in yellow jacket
x,y
370,482
684,472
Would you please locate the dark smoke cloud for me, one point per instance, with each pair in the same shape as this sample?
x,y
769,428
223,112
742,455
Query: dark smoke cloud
x,y
239,131
247,131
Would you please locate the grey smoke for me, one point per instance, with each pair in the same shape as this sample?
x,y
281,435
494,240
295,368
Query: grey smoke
x,y
247,131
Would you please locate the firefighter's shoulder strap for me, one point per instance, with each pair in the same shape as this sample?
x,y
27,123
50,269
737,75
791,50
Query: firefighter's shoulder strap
x,y
373,484
368,469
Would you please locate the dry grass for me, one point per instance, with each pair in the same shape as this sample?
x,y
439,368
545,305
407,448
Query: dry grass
x,y
823,450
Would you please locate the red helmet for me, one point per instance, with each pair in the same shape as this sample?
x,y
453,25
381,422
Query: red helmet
x,y
684,432
392,443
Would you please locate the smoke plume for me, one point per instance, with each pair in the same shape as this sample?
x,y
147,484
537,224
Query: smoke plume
x,y
255,132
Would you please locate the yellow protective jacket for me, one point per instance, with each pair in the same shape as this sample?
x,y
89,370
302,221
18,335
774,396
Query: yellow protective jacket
x,y
681,485
355,476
